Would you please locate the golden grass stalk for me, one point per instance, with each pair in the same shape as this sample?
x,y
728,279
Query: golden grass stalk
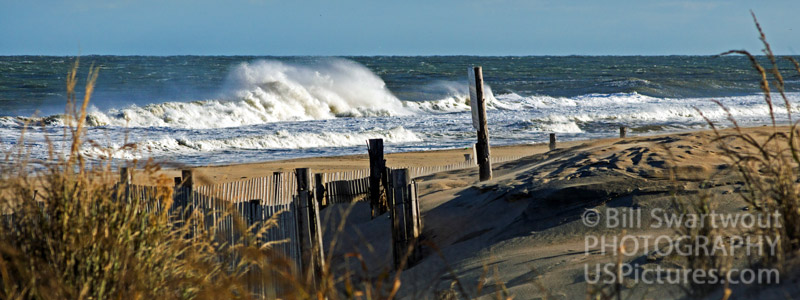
x,y
768,165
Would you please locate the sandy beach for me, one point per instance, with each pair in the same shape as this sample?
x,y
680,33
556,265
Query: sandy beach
x,y
521,233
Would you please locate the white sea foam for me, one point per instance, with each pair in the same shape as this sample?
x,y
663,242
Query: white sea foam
x,y
636,108
555,124
457,100
287,140
281,139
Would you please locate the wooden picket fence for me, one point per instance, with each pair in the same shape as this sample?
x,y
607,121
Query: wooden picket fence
x,y
253,201
345,187
256,200
350,186
416,172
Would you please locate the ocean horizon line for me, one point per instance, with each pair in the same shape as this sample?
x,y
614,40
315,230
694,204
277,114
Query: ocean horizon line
x,y
380,55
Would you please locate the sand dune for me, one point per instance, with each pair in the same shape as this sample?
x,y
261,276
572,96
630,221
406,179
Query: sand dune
x,y
524,228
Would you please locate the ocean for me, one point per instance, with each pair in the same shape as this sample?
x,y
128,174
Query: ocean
x,y
208,110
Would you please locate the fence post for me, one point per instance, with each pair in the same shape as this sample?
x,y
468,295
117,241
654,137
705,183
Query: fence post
x,y
256,215
319,191
187,182
414,224
399,213
308,222
622,132
385,177
125,175
376,169
552,141
478,105
188,178
125,180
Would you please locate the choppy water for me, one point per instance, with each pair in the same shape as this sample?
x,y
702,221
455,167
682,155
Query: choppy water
x,y
214,110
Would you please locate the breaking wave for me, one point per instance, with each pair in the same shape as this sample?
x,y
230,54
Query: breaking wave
x,y
271,91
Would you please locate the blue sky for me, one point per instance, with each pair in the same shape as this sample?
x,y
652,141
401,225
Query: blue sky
x,y
410,27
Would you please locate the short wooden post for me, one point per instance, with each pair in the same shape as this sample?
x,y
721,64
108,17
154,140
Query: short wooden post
x,y
399,190
125,180
319,191
467,157
124,175
622,132
178,198
377,166
552,141
256,214
310,233
188,180
414,224
478,105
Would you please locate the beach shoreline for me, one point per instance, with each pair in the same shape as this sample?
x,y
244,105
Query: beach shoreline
x,y
328,164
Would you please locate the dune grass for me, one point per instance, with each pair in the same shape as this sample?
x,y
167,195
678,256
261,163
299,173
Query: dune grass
x,y
769,168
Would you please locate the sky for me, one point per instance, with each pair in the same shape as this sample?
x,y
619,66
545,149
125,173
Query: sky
x,y
408,27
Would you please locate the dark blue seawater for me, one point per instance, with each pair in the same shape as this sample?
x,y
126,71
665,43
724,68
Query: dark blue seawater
x,y
222,109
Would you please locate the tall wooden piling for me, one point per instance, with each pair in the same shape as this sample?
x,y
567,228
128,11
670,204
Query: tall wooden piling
x,y
310,233
377,166
478,105
552,141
